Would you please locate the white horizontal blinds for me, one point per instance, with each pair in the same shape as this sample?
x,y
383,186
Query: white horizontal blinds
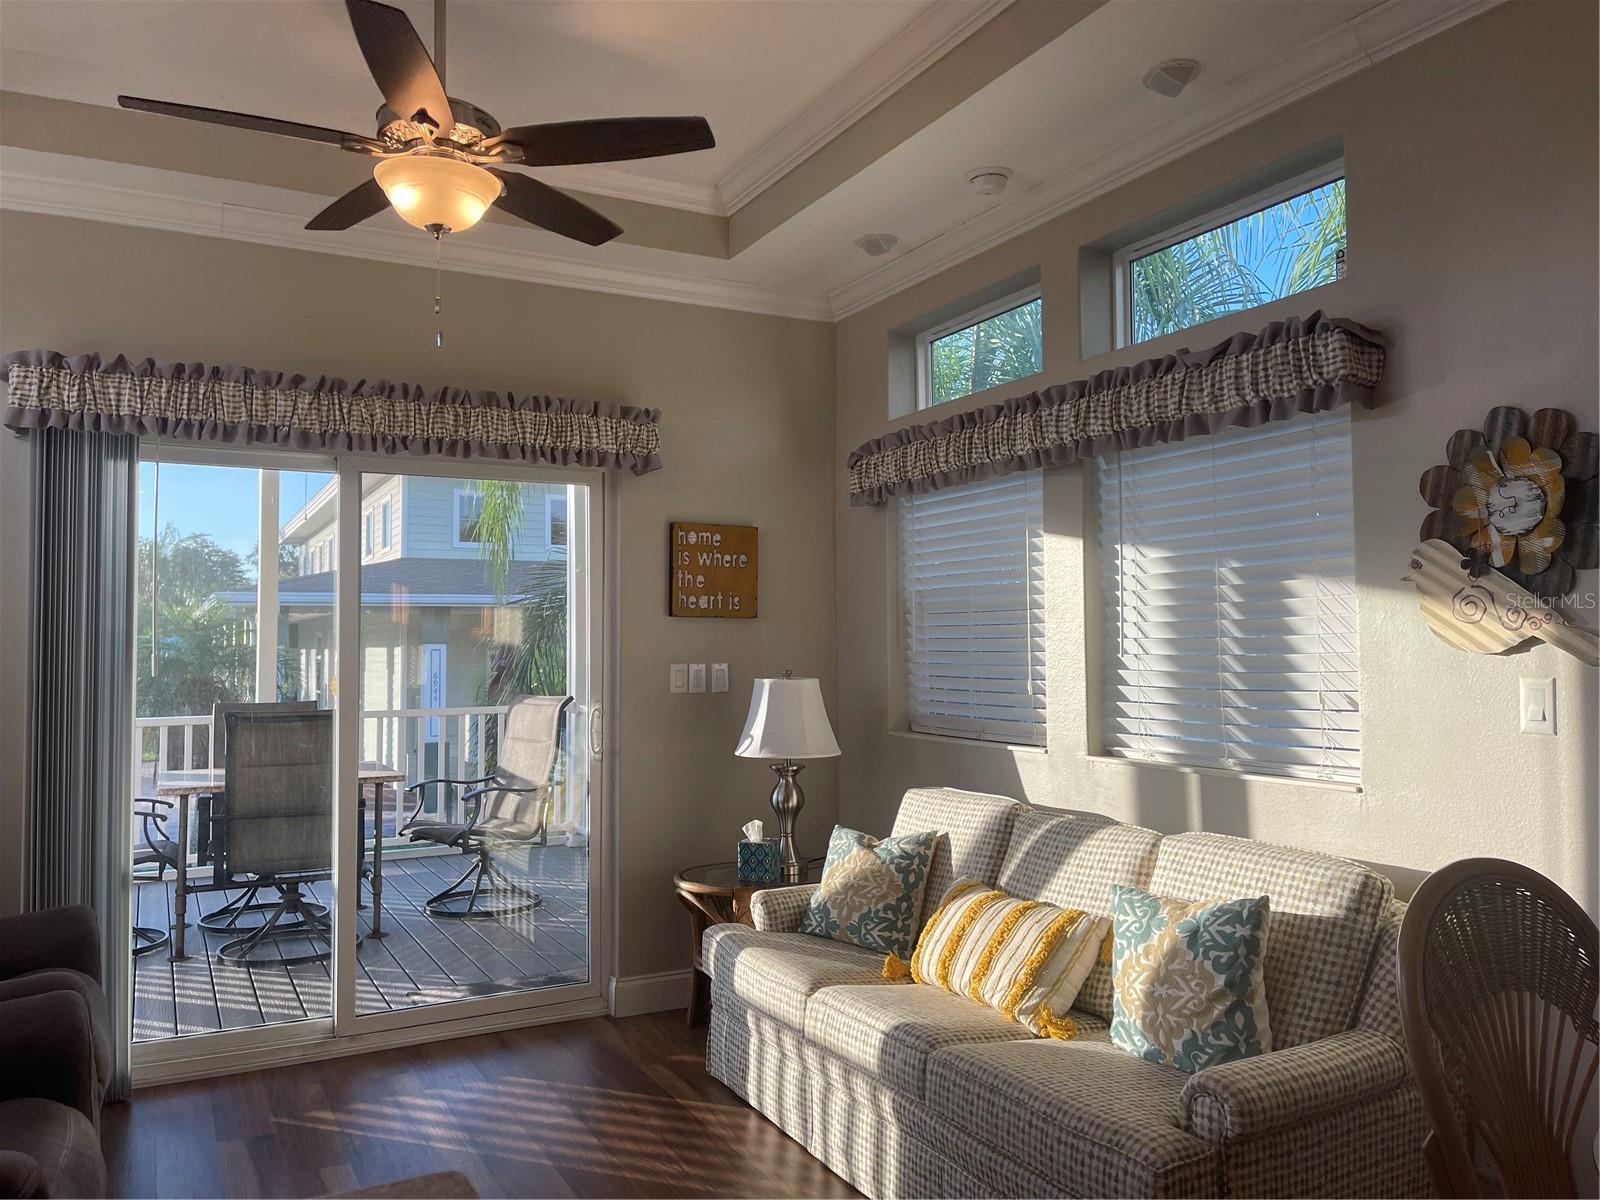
x,y
1227,571
972,593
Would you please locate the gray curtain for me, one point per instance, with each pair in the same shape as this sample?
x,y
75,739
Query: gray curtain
x,y
80,659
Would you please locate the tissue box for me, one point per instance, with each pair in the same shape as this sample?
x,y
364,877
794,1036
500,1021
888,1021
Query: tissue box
x,y
758,862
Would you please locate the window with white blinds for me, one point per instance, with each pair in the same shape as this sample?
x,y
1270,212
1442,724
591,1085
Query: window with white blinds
x,y
972,594
1227,568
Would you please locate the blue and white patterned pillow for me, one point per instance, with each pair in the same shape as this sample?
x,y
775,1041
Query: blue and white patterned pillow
x,y
1187,978
871,890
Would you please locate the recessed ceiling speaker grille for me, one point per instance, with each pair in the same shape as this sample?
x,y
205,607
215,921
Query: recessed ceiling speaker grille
x,y
1171,77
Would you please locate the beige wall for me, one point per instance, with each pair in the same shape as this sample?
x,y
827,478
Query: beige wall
x,y
1472,215
747,437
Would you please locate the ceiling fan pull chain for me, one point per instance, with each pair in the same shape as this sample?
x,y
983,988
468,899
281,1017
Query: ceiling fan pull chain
x,y
438,289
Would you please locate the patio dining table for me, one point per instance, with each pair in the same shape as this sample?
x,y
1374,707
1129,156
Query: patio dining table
x,y
184,787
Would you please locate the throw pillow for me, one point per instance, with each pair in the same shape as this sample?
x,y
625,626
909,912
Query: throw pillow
x,y
1187,987
871,890
1023,958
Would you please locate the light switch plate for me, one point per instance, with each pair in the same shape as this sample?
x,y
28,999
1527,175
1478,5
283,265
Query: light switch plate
x,y
697,677
1536,705
678,678
719,677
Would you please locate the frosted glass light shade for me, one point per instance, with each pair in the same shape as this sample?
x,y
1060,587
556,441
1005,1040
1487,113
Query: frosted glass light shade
x,y
787,719
434,190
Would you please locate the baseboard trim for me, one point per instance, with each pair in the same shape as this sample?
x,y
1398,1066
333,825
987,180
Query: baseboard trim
x,y
635,995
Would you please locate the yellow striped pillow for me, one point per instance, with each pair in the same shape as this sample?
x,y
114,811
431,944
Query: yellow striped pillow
x,y
1023,958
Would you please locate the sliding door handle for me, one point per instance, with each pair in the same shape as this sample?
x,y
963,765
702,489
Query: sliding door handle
x,y
597,731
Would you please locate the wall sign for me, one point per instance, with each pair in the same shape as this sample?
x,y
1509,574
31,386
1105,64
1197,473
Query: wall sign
x,y
711,569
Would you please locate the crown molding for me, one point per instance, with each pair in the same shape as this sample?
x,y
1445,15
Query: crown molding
x,y
124,194
923,41
1364,40
622,184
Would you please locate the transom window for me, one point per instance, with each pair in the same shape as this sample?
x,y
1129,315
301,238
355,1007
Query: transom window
x,y
1272,245
981,349
972,596
1227,578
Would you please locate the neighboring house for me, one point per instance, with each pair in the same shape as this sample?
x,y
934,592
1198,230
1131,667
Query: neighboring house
x,y
430,620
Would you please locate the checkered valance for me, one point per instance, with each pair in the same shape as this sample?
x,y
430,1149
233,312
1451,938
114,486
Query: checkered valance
x,y
1302,365
238,405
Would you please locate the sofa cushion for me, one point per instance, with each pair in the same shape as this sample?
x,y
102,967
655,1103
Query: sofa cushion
x,y
59,979
1083,1113
889,1032
871,891
777,973
1072,860
974,829
62,1143
1325,916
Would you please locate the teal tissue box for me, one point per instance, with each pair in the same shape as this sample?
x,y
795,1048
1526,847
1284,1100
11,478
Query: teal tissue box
x,y
758,862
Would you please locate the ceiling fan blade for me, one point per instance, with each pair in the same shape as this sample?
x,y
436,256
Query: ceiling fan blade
x,y
542,205
608,139
399,63
352,208
221,116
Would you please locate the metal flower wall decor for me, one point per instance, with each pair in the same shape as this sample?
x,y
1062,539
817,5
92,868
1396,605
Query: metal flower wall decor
x,y
1519,496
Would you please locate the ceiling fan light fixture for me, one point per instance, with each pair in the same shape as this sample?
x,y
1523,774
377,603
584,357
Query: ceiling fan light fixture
x,y
437,191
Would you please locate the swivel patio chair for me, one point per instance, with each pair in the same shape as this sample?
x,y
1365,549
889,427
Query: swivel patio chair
x,y
160,851
246,910
1498,983
508,808
276,827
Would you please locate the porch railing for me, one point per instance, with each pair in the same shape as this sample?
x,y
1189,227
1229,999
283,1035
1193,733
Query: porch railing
x,y
424,743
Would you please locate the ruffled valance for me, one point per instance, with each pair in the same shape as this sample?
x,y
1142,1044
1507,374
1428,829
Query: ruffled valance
x,y
238,405
1301,365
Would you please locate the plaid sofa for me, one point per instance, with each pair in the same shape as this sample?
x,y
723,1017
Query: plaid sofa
x,y
906,1090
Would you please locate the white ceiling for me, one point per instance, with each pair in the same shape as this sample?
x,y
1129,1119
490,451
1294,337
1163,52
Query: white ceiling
x,y
1071,120
749,66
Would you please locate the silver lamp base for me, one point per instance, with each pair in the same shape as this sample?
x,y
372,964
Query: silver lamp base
x,y
787,801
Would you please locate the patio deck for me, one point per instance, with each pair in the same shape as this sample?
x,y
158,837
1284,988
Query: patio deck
x,y
421,960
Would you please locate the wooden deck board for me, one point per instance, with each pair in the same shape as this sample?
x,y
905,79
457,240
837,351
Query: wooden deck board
x,y
421,960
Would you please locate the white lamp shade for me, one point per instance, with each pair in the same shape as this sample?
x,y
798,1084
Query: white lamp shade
x,y
787,719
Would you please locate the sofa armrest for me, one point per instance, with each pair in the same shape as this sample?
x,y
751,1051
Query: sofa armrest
x,y
778,910
47,1051
1253,1096
20,1174
57,937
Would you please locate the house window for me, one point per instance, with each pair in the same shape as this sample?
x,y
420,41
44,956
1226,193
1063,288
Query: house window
x,y
469,511
1271,245
385,523
555,514
983,348
1227,575
972,598
367,533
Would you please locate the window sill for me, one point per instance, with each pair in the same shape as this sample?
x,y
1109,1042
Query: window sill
x,y
1327,785
975,743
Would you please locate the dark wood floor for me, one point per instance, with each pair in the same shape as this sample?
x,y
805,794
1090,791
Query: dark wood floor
x,y
597,1107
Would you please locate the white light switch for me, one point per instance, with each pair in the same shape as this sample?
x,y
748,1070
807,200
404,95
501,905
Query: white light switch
x,y
678,678
697,677
1537,706
719,677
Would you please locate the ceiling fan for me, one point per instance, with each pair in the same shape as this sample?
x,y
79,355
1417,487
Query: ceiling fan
x,y
440,158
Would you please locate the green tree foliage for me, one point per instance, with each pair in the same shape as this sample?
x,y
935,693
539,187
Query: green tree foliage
x,y
206,647
536,665
996,350
1267,255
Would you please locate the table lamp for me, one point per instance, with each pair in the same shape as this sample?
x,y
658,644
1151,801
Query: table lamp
x,y
787,720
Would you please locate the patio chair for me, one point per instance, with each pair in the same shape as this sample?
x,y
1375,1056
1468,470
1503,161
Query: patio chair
x,y
246,910
160,851
508,808
276,828
1499,975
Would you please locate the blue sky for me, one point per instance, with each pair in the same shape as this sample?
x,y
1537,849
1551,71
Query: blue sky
x,y
219,501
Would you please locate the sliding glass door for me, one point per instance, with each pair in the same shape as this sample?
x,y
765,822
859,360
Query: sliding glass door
x,y
367,736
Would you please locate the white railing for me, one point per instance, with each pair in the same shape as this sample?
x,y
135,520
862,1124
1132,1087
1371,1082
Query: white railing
x,y
424,743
